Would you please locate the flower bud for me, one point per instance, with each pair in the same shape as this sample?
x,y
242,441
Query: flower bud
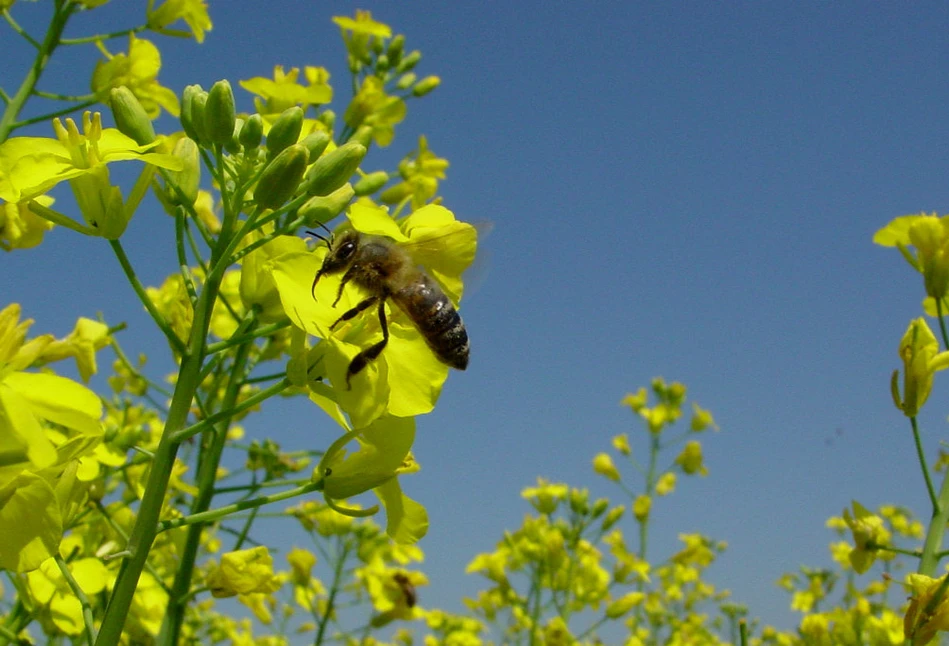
x,y
382,62
395,194
624,604
189,177
600,505
219,113
281,177
371,183
405,81
285,130
363,135
426,85
612,518
192,115
641,507
328,119
409,61
321,209
316,143
395,48
334,169
130,117
252,133
233,144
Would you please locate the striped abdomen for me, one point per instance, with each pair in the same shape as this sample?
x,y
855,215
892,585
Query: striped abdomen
x,y
436,318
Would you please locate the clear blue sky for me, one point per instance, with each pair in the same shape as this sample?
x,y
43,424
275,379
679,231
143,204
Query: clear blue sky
x,y
677,189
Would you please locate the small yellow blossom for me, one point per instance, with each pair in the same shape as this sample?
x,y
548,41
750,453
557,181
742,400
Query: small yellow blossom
x,y
868,534
666,484
690,459
20,226
243,572
193,12
641,507
603,465
621,444
138,71
921,622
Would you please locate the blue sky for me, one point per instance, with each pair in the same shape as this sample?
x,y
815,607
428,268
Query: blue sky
x,y
682,189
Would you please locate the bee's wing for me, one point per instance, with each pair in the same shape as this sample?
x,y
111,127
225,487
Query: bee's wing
x,y
445,251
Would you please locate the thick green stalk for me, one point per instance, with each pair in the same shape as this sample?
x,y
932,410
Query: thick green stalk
x,y
178,596
146,523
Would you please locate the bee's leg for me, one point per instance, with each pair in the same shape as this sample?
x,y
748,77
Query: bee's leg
x,y
362,359
360,307
346,278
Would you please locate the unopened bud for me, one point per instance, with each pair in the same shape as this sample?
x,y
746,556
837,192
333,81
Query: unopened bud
x,y
281,177
405,81
316,143
363,135
371,183
395,194
252,133
334,169
321,209
233,144
328,118
382,62
409,61
285,130
219,113
395,49
426,85
130,117
193,102
188,179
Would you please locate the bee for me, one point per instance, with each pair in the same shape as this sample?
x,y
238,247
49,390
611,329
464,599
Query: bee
x,y
385,270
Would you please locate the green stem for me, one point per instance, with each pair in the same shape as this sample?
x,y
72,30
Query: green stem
x,y
342,555
83,599
57,24
250,402
920,453
942,323
934,534
177,600
160,321
146,523
220,512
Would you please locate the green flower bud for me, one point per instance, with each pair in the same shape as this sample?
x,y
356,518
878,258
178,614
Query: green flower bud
x,y
599,507
187,111
321,209
328,117
334,169
281,177
285,130
233,145
188,179
130,117
253,132
396,46
409,61
426,85
405,81
363,135
371,183
397,193
612,518
219,113
316,143
382,62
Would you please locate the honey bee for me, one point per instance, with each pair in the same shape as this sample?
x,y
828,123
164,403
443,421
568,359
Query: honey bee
x,y
385,270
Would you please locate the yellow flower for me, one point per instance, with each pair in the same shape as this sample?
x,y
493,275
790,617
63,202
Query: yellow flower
x,y
31,166
243,572
546,496
666,484
20,226
868,534
50,589
82,343
603,465
921,621
193,12
420,172
283,91
929,234
641,507
375,108
702,419
621,444
138,71
919,351
690,460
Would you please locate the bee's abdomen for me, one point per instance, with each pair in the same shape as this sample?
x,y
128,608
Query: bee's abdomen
x,y
437,320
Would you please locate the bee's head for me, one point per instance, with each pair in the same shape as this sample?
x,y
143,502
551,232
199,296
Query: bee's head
x,y
341,252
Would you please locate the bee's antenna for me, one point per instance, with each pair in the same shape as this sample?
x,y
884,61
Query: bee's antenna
x,y
315,280
328,241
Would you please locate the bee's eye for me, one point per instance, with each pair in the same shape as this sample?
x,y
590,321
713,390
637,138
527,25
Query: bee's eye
x,y
347,249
